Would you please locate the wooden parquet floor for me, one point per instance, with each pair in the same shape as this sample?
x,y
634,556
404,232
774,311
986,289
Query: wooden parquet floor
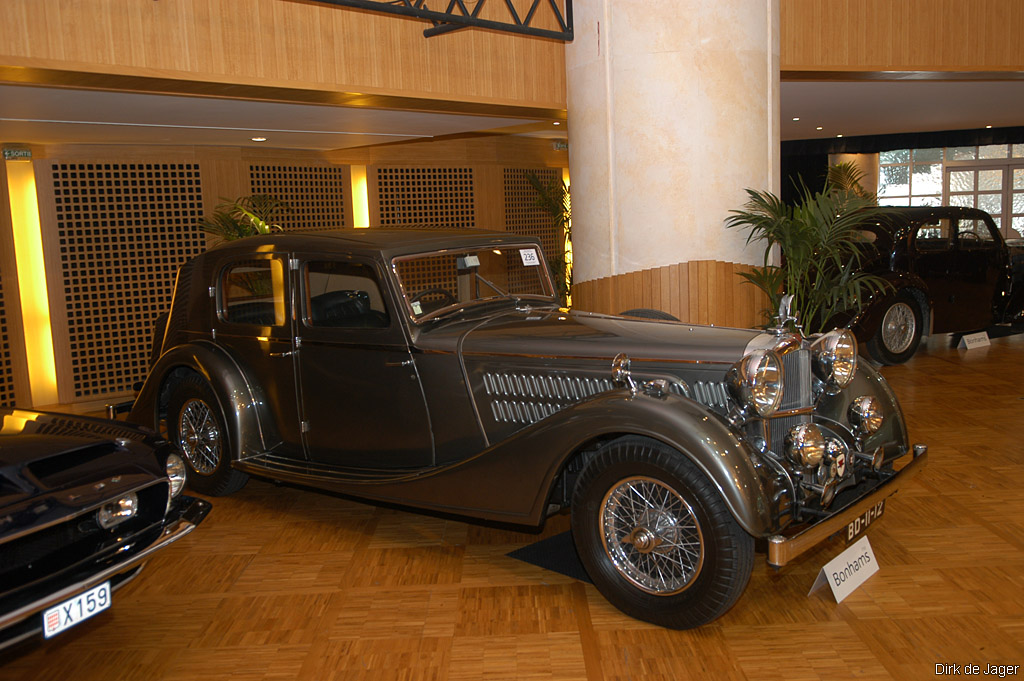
x,y
282,583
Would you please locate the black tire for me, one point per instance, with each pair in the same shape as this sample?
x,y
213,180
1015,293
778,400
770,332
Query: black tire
x,y
647,313
899,332
195,425
619,542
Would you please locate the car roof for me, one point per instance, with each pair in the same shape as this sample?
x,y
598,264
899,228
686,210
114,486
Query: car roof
x,y
387,241
917,213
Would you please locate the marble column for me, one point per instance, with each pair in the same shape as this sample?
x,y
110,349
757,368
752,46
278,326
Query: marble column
x,y
673,111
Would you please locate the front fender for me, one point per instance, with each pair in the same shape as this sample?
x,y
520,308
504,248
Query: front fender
x,y
866,322
512,480
239,401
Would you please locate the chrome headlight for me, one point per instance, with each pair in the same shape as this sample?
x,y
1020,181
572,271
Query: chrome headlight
x,y
865,415
756,381
805,445
175,474
835,358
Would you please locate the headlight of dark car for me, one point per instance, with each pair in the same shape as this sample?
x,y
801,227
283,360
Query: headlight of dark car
x,y
835,359
175,475
755,382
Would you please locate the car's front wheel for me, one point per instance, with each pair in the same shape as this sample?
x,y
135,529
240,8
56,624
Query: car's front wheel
x,y
899,334
656,537
195,424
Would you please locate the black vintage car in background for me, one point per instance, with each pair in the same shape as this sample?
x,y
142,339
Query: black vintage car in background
x,y
435,369
949,270
83,504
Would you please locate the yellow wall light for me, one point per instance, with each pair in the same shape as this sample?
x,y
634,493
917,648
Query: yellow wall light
x,y
35,307
360,200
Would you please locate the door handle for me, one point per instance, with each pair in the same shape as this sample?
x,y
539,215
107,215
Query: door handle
x,y
403,363
282,354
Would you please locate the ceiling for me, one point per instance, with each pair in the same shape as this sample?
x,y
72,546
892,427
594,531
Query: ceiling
x,y
50,115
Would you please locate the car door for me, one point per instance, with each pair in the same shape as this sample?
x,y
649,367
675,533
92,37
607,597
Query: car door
x,y
980,270
254,324
934,260
362,400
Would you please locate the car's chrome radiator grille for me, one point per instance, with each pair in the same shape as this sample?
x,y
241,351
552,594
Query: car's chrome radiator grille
x,y
796,393
528,398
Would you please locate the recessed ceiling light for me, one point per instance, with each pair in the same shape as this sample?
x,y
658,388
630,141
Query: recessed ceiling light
x,y
796,118
987,127
258,139
818,128
839,135
556,123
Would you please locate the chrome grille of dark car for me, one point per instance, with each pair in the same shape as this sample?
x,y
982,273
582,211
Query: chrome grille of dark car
x,y
38,554
528,398
796,367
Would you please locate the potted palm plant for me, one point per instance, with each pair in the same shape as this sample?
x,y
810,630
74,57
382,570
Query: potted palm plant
x,y
244,216
821,243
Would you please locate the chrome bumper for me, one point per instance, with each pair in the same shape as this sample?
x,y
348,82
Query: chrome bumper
x,y
783,549
191,516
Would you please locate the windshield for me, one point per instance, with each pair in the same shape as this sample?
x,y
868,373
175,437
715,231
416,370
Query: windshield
x,y
433,283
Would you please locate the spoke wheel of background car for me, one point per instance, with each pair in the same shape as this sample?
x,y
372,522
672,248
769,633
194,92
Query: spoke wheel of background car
x,y
196,426
648,313
899,333
655,536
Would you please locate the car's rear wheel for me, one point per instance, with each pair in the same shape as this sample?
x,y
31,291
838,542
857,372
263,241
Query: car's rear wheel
x,y
656,537
195,424
899,333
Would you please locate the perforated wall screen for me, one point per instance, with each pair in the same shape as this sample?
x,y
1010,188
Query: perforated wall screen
x,y
523,215
6,367
124,230
426,197
315,194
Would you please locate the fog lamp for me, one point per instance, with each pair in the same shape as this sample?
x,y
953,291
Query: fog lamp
x,y
113,513
175,474
805,445
865,415
835,358
756,382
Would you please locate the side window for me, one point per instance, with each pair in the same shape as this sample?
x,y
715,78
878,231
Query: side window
x,y
253,292
975,234
933,236
343,295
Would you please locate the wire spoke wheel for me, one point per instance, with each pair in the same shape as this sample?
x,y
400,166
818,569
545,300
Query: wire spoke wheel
x,y
655,535
199,436
651,535
899,326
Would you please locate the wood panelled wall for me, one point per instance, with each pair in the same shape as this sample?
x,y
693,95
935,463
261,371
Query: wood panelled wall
x,y
281,43
902,35
699,292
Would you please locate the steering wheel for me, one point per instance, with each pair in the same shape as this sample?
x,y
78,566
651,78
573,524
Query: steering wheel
x,y
970,236
449,299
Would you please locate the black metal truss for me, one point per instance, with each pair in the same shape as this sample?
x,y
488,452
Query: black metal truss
x,y
457,16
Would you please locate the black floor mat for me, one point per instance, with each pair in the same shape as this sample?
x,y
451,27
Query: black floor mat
x,y
557,553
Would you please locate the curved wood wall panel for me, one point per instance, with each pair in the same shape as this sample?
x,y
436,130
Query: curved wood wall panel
x,y
123,230
425,197
901,35
699,292
284,44
316,195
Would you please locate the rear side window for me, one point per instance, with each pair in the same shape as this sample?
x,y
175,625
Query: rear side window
x,y
343,295
933,236
253,292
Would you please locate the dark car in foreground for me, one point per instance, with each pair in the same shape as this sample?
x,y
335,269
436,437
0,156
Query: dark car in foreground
x,y
949,271
436,370
83,504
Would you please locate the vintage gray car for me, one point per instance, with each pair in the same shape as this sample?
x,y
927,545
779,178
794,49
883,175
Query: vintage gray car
x,y
436,370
